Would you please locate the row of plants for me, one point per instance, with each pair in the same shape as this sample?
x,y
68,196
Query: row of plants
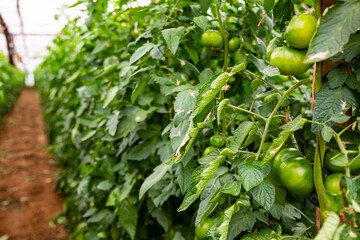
x,y
202,120
11,81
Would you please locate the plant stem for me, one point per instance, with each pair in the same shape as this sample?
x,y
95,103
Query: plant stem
x,y
268,120
343,150
264,81
247,111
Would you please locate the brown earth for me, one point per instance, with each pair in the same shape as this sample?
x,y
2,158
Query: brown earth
x,y
27,198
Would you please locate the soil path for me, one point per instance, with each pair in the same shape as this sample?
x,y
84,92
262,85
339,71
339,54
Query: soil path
x,y
27,198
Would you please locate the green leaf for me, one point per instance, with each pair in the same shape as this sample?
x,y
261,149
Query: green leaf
x,y
110,95
336,26
139,88
128,217
112,123
204,5
104,185
153,178
329,227
331,102
238,68
184,103
141,51
240,135
172,37
221,107
215,87
72,77
141,151
88,134
209,164
326,133
339,118
264,194
250,176
278,142
264,234
336,78
270,71
350,50
269,5
201,22
241,222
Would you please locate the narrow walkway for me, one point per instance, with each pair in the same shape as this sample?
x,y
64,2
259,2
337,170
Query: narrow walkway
x,y
27,198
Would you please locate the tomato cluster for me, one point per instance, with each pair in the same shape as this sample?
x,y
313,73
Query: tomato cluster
x,y
289,59
214,39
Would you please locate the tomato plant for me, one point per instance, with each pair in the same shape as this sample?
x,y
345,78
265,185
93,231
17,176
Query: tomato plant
x,y
131,117
11,82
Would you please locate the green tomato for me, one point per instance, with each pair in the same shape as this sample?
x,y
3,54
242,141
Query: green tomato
x,y
212,38
200,230
289,61
304,75
332,183
331,168
234,44
273,44
283,155
218,141
294,172
208,150
300,30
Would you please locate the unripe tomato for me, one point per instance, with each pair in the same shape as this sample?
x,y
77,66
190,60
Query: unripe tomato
x,y
304,75
332,183
300,30
218,141
200,230
273,44
208,150
234,44
289,61
212,38
331,168
294,172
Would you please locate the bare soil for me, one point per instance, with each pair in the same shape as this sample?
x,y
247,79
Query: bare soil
x,y
27,198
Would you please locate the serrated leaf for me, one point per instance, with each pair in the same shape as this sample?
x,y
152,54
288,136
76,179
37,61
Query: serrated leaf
x,y
250,176
240,222
339,118
336,26
278,142
269,5
331,102
264,194
201,22
336,78
240,135
238,68
140,85
184,103
172,37
128,217
326,133
264,234
210,163
328,230
112,123
270,71
141,51
221,107
153,178
110,95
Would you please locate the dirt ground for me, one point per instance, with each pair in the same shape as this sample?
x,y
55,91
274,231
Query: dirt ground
x,y
27,198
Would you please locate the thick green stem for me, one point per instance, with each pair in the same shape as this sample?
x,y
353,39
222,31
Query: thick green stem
x,y
247,111
278,105
343,150
264,81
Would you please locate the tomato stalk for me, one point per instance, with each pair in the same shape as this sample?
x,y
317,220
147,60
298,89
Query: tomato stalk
x,y
272,115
